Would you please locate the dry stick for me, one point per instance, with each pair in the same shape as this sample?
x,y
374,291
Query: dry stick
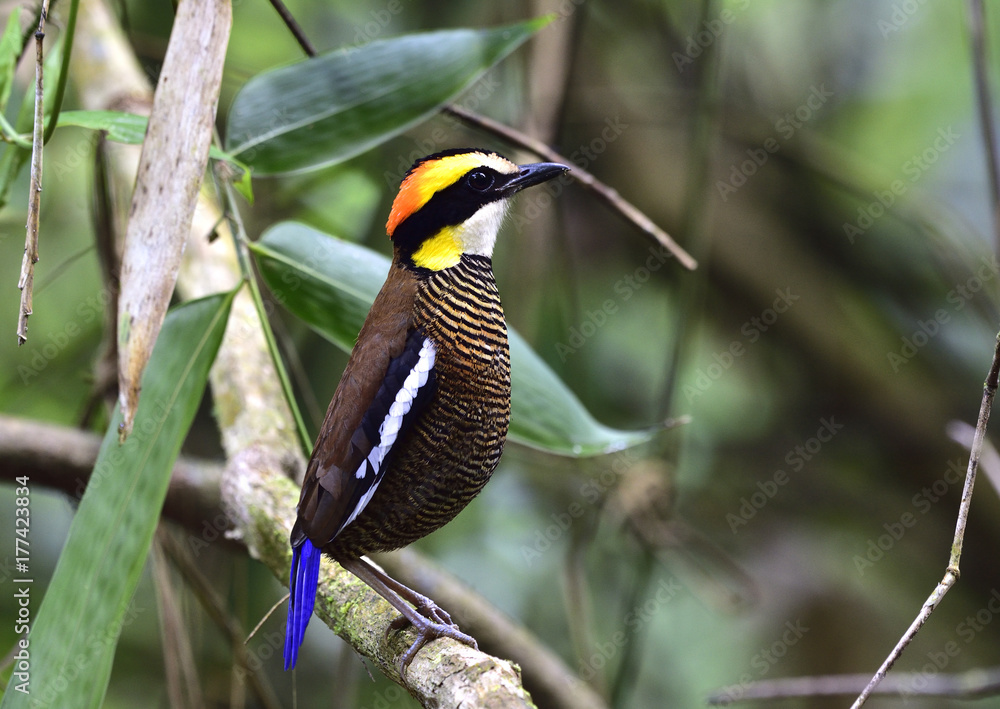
x,y
952,572
215,606
180,676
609,195
26,282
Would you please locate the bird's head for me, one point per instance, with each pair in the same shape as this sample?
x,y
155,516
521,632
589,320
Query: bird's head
x,y
452,203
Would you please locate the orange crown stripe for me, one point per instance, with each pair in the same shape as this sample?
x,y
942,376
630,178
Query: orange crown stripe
x,y
433,176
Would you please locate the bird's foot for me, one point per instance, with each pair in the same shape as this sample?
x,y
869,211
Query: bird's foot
x,y
431,622
428,630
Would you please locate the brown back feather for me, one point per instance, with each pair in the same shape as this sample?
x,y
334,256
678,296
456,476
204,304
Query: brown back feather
x,y
342,445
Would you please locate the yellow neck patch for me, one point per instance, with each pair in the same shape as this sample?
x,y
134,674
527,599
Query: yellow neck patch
x,y
441,251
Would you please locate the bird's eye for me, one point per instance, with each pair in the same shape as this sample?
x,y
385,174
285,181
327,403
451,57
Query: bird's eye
x,y
480,181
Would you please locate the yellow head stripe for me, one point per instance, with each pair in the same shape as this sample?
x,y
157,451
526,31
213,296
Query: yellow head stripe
x,y
435,175
443,250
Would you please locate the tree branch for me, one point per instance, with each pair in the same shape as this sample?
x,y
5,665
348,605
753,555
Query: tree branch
x,y
447,674
62,458
548,678
293,26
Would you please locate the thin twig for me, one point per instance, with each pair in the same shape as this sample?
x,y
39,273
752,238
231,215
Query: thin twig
x,y
977,32
294,27
240,240
181,678
27,280
214,605
964,685
976,29
607,194
952,572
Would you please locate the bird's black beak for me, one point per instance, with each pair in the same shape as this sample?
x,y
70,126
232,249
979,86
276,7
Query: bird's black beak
x,y
533,174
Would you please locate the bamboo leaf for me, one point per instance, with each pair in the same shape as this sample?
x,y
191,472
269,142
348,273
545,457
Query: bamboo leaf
x,y
128,128
121,127
72,641
330,284
329,108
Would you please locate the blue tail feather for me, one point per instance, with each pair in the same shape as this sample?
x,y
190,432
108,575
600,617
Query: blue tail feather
x,y
303,579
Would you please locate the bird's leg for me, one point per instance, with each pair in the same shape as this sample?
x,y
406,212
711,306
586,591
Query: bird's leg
x,y
427,618
424,605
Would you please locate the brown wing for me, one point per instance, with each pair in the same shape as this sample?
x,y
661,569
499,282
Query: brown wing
x,y
343,445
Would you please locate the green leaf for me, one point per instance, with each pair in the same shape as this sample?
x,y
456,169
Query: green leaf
x,y
121,127
329,108
129,128
243,184
330,284
72,641
16,157
10,50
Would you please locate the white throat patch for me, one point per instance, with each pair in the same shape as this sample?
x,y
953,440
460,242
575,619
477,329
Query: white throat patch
x,y
479,233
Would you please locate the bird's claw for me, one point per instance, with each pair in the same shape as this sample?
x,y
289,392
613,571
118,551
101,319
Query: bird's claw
x,y
434,622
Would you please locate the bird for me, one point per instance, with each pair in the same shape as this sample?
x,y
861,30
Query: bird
x,y
419,419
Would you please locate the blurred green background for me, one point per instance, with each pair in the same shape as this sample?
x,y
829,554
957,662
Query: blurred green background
x,y
823,160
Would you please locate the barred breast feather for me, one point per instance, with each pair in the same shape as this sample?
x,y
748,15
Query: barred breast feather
x,y
444,399
453,445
